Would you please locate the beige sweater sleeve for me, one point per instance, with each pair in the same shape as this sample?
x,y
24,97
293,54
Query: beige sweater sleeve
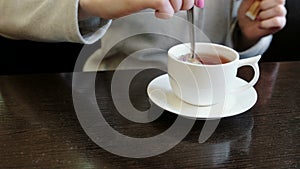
x,y
49,21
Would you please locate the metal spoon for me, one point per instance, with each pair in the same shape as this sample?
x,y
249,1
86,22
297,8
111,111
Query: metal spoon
x,y
190,18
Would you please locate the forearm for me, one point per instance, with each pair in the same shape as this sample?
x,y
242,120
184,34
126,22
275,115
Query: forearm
x,y
47,20
245,47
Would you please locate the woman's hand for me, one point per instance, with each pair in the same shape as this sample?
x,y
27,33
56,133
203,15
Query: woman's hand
x,y
271,19
110,9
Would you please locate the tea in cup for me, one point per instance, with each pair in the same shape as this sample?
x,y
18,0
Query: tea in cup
x,y
210,76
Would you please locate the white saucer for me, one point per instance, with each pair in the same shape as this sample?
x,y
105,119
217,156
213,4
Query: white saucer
x,y
160,93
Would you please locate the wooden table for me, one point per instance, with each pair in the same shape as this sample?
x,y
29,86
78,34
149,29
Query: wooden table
x,y
39,126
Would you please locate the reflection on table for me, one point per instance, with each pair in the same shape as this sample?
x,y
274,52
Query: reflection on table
x,y
39,126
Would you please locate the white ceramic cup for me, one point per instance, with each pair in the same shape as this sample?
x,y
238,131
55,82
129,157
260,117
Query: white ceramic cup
x,y
205,85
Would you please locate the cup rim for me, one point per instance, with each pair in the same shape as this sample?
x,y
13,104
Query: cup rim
x,y
204,65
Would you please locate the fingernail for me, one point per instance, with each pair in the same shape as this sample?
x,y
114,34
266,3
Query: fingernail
x,y
199,3
258,18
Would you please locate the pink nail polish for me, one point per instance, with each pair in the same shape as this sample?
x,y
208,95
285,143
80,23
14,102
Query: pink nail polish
x,y
199,3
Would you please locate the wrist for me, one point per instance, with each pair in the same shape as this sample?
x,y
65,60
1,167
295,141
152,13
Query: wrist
x,y
242,42
82,13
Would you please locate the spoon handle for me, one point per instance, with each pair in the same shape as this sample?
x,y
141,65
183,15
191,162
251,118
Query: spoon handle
x,y
190,18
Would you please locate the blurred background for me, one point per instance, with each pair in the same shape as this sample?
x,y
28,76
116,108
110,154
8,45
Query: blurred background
x,y
27,57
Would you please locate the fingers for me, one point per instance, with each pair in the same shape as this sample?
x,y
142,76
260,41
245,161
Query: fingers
x,y
187,4
166,8
275,22
267,4
278,10
272,14
176,5
118,8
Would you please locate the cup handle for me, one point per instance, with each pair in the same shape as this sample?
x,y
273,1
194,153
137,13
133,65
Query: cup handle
x,y
253,62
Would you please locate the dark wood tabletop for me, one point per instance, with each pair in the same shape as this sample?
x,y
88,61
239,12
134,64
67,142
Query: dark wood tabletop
x,y
40,128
